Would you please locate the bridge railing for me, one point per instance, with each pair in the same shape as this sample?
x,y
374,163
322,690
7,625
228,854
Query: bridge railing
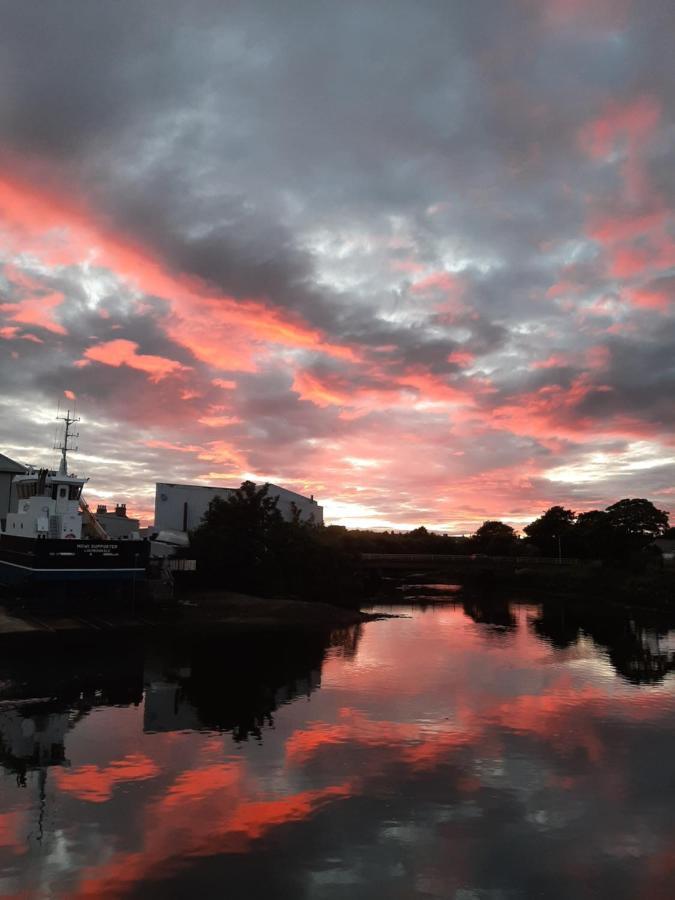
x,y
475,557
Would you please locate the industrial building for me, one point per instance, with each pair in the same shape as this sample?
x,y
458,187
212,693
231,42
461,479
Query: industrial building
x,y
181,507
8,471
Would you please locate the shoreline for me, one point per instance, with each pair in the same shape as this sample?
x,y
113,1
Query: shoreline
x,y
213,611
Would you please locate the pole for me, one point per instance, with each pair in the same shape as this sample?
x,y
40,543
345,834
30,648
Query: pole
x,y
133,586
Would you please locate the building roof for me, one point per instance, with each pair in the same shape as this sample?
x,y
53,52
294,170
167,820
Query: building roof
x,y
211,487
8,465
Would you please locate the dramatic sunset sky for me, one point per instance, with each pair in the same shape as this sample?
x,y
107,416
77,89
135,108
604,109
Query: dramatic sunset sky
x,y
416,258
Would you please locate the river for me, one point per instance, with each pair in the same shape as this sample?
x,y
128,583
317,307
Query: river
x,y
475,752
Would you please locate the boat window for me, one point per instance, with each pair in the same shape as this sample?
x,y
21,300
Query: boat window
x,y
62,492
74,492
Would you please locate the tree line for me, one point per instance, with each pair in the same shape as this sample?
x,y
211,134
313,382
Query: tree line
x,y
245,544
624,528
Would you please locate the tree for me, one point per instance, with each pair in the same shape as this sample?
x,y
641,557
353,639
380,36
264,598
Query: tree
x,y
244,543
552,532
638,519
238,537
595,536
495,538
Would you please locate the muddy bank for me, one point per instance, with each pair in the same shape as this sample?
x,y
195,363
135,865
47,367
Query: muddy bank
x,y
196,613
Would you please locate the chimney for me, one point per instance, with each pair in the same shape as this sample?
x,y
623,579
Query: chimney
x,y
121,510
101,509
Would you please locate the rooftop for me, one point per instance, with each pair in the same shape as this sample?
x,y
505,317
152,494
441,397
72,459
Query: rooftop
x,y
8,465
211,487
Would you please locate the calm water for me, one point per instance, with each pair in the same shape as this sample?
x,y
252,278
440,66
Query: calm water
x,y
463,752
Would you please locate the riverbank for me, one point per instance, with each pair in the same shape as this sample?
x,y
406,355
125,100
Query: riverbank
x,y
208,611
588,585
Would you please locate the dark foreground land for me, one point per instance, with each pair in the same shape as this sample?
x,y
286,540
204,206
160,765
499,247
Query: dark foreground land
x,y
221,611
208,611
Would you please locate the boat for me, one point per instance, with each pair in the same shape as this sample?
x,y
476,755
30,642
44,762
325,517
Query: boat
x,y
53,537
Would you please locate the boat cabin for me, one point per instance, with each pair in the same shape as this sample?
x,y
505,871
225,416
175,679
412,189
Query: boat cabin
x,y
48,506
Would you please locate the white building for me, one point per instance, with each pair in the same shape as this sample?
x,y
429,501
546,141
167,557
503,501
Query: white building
x,y
181,507
8,472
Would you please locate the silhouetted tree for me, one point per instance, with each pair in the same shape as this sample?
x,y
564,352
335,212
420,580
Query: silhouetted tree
x,y
244,543
495,538
238,537
638,519
595,535
552,532
419,540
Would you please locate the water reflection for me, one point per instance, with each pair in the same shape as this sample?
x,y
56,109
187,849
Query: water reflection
x,y
494,611
475,750
196,686
638,648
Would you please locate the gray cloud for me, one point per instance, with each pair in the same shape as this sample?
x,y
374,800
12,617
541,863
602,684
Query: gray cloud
x,y
325,158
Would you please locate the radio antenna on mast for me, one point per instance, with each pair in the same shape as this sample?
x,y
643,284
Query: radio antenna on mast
x,y
68,437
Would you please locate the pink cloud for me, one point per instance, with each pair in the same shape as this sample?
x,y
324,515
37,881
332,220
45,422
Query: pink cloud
x,y
125,353
599,14
222,331
36,311
551,362
461,358
629,124
437,281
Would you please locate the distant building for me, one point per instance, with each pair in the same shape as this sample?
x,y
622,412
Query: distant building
x,y
8,471
181,507
117,524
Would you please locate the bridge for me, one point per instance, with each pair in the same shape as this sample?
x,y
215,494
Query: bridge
x,y
474,562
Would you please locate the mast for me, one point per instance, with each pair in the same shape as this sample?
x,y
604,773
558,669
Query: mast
x,y
68,437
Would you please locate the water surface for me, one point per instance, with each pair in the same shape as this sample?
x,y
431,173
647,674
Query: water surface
x,y
476,751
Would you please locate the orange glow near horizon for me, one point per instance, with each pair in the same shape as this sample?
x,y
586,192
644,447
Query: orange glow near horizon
x,y
361,419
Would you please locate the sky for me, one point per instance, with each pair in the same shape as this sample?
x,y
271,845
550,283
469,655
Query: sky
x,y
414,258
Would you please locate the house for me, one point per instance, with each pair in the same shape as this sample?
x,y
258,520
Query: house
x,y
8,471
118,524
181,507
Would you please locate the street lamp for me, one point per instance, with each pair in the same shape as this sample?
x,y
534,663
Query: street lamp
x,y
557,537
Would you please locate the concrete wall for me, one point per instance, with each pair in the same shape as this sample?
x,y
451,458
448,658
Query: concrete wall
x,y
181,507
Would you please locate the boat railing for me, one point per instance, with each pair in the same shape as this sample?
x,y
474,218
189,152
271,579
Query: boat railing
x,y
91,520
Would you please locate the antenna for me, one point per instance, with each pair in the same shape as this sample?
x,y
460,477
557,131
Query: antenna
x,y
67,438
